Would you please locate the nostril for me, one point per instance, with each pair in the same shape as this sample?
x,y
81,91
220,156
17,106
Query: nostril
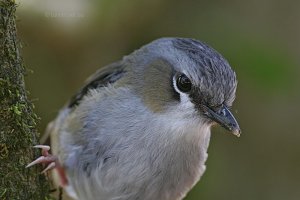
x,y
223,112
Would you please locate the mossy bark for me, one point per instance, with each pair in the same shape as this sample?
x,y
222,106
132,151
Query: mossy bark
x,y
17,120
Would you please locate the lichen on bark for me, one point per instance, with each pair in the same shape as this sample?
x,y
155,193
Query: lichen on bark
x,y
17,119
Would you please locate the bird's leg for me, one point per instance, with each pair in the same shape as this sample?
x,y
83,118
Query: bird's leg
x,y
51,162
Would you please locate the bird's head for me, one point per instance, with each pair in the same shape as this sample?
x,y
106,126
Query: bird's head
x,y
179,75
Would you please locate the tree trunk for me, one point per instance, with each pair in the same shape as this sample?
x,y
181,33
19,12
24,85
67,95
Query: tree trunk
x,y
17,119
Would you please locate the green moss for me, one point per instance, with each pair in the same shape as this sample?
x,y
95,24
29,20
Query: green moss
x,y
17,119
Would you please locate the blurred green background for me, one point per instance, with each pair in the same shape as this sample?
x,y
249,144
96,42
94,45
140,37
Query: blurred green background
x,y
65,41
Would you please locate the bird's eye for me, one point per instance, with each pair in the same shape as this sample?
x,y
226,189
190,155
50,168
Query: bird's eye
x,y
183,83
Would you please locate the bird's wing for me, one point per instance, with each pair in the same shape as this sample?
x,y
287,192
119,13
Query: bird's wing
x,y
101,78
106,75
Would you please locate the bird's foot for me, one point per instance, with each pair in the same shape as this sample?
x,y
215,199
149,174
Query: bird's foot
x,y
51,162
46,158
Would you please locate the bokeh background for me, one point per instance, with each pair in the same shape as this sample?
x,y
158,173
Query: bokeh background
x,y
64,41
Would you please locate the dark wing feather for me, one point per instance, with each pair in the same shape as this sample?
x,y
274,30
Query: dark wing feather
x,y
106,75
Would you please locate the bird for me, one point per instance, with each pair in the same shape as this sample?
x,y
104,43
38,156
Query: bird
x,y
139,129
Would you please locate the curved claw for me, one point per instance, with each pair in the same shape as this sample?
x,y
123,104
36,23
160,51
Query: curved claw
x,y
49,167
43,147
40,159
